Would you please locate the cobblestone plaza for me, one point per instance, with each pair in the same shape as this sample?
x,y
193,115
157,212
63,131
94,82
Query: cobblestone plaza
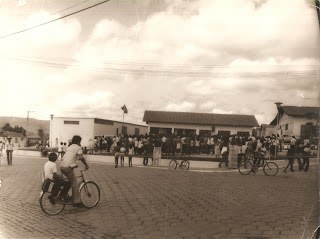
x,y
147,202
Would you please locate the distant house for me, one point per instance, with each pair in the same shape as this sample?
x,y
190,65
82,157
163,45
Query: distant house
x,y
62,129
18,139
300,121
202,124
267,130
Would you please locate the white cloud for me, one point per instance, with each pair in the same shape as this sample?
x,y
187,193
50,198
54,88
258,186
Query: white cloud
x,y
211,55
184,107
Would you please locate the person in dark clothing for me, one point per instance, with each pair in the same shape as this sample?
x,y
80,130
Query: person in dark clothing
x,y
145,157
306,156
290,157
224,153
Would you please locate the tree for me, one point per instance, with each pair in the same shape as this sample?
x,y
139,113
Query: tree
x,y
41,135
7,127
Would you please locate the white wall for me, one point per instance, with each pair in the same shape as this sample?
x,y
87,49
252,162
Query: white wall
x,y
131,128
232,129
87,129
65,132
104,129
294,124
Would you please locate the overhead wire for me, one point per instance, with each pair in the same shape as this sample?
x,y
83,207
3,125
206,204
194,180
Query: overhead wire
x,y
176,73
75,5
53,20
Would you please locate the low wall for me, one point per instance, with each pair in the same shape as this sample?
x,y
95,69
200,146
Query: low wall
x,y
27,153
138,161
110,159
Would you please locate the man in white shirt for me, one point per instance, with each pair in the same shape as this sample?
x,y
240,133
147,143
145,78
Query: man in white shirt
x,y
9,150
72,154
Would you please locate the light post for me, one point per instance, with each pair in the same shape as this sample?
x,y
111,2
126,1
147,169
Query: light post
x,y
278,104
50,136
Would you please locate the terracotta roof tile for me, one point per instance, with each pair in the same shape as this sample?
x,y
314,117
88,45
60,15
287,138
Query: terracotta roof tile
x,y
299,110
200,118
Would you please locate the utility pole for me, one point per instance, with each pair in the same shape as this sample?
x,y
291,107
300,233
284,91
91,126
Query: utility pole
x,y
278,104
28,112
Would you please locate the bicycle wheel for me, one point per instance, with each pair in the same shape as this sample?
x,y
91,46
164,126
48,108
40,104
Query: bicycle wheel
x,y
270,169
47,207
172,164
245,167
90,194
185,165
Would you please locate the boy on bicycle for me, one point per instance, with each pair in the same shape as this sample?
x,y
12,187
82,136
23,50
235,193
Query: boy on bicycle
x,y
51,173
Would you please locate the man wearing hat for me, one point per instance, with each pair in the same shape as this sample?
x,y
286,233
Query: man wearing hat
x,y
9,150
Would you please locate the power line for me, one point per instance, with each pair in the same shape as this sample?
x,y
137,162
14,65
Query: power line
x,y
136,64
75,5
132,70
59,18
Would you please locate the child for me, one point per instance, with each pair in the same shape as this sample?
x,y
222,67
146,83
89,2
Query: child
x,y
130,154
50,172
122,153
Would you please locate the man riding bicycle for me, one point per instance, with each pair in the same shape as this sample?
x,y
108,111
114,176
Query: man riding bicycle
x,y
72,154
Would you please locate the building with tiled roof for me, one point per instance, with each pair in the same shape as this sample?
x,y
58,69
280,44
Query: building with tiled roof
x,y
300,121
199,123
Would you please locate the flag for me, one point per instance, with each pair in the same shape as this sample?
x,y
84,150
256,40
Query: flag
x,y
124,108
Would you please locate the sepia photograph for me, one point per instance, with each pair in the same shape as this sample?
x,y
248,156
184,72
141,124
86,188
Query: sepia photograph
x,y
160,119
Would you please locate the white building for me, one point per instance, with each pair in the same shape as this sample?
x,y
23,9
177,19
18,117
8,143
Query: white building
x,y
298,121
62,129
203,124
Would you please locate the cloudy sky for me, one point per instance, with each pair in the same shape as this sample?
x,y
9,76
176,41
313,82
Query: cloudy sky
x,y
213,56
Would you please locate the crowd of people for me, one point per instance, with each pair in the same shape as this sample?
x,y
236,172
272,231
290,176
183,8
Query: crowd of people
x,y
228,149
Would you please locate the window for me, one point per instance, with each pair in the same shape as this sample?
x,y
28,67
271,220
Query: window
x,y
71,122
124,130
136,131
186,132
243,133
224,133
156,130
286,127
205,133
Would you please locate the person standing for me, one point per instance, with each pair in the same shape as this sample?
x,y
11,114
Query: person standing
x,y
217,146
157,151
122,154
130,154
72,154
1,148
224,152
233,153
60,150
9,150
306,154
117,154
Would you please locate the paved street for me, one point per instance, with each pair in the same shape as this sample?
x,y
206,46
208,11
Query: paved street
x,y
145,202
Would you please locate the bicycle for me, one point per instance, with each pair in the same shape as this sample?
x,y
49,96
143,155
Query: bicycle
x,y
183,164
89,193
251,164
